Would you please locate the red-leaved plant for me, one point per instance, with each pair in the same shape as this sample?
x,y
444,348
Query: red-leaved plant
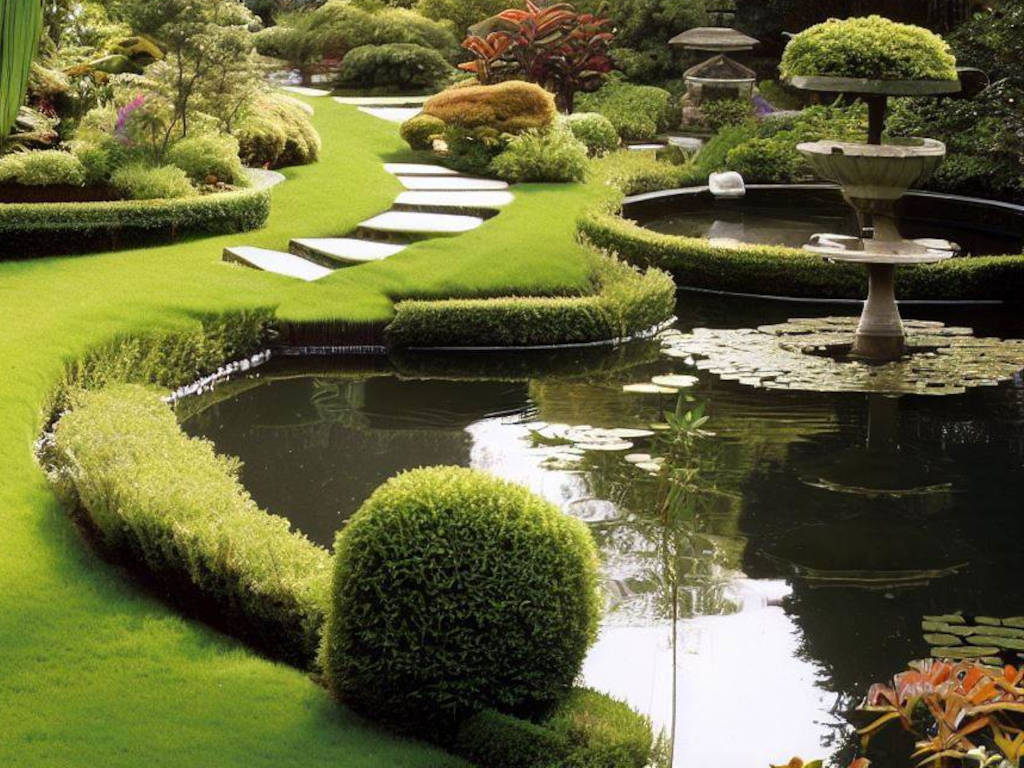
x,y
556,47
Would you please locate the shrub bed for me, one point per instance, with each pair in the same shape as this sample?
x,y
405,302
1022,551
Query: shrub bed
x,y
170,504
453,592
33,228
638,112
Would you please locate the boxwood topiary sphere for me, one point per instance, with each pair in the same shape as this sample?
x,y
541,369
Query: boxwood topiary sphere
x,y
420,130
871,47
453,592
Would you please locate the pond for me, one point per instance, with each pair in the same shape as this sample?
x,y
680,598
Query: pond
x,y
798,570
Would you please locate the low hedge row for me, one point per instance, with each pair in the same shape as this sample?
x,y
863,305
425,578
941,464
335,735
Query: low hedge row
x,y
776,270
32,228
626,302
169,504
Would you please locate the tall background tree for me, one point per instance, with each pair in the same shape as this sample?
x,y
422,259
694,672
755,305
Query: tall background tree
x,y
21,24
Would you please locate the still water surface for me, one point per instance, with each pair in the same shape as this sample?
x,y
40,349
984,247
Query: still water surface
x,y
799,566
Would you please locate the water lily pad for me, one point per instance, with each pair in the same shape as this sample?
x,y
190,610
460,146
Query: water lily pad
x,y
623,445
637,458
626,433
648,389
675,382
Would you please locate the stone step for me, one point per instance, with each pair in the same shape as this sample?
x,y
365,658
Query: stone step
x,y
466,200
381,101
392,114
303,90
421,223
450,184
341,251
281,263
418,169
646,147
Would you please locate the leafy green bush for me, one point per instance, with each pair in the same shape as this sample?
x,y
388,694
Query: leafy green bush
x,y
339,26
765,161
638,112
461,14
472,150
594,130
277,132
501,741
872,47
401,25
719,113
602,732
143,182
419,131
398,65
278,42
42,167
509,107
96,161
453,592
712,155
208,155
549,155
169,503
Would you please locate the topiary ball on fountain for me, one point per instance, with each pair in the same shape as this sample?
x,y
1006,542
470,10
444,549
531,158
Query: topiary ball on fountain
x,y
870,47
454,592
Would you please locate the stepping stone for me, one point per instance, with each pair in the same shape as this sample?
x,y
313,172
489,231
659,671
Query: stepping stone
x,y
422,223
381,101
485,199
392,114
646,147
418,169
450,183
347,250
302,90
287,264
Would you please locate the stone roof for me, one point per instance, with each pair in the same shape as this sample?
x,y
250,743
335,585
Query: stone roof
x,y
714,39
720,67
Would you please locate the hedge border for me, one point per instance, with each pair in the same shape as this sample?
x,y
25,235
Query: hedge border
x,y
781,272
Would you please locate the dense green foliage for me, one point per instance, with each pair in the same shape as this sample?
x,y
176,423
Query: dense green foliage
x,y
638,112
722,112
870,47
208,155
502,741
455,591
420,131
595,130
509,107
461,13
21,22
41,168
171,504
554,154
277,133
143,182
394,65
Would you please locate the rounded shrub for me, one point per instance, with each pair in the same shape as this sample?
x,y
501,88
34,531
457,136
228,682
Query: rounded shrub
x,y
395,65
276,133
509,107
455,591
138,181
42,167
550,155
420,130
722,112
594,130
208,157
870,47
638,112
765,161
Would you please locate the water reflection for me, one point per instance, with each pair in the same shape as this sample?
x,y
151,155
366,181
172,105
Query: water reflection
x,y
751,602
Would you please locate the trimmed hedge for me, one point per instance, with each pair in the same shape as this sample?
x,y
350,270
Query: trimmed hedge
x,y
170,504
32,228
395,65
627,302
455,591
492,739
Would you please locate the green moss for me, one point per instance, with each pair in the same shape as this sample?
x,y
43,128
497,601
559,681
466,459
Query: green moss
x,y
871,47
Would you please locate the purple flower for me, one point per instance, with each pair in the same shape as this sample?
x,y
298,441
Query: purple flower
x,y
125,112
761,106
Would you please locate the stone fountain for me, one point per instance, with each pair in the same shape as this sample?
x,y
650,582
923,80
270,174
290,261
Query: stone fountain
x,y
873,177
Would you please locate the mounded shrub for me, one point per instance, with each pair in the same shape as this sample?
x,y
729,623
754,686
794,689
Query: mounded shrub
x,y
472,150
453,592
276,133
638,112
339,26
595,130
871,47
511,107
394,65
42,167
96,161
722,112
500,741
553,154
208,155
169,503
602,732
138,181
765,161
419,131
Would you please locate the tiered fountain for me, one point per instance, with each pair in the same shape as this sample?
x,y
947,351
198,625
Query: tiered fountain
x,y
875,175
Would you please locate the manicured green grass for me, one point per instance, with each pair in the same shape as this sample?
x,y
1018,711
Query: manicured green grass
x,y
94,672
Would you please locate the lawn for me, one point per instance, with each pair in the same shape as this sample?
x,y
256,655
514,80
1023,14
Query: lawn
x,y
92,670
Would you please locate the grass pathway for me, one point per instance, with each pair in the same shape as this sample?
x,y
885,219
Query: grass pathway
x,y
92,671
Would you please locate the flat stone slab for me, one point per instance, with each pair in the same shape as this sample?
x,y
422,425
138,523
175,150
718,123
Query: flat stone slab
x,y
484,199
450,183
303,90
422,223
280,263
392,114
418,169
381,101
646,147
347,249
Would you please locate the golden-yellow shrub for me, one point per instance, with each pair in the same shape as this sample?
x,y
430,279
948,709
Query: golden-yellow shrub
x,y
512,106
